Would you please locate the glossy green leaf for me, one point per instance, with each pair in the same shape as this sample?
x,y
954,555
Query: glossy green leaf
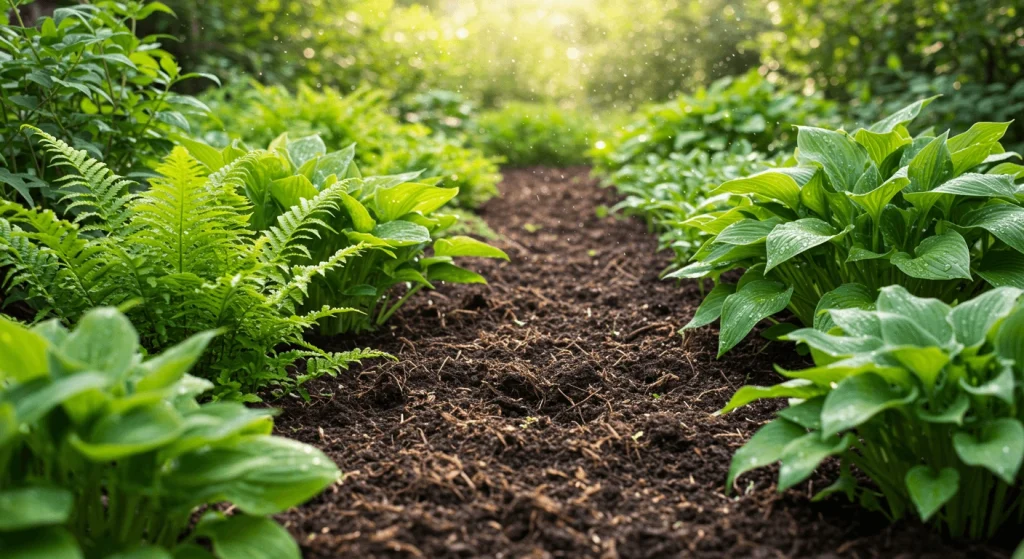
x,y
168,367
747,232
1010,340
305,149
929,488
1003,268
846,296
1005,221
136,431
939,257
710,308
983,186
841,158
742,310
396,201
931,167
901,117
22,508
973,319
466,246
857,399
1001,387
929,314
22,352
795,237
453,274
880,145
772,184
797,388
764,448
248,537
802,456
401,233
998,446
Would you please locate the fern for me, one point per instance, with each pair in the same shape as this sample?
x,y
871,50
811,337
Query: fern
x,y
302,223
296,289
97,197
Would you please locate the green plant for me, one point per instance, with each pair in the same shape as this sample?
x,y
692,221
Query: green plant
x,y
104,451
939,215
734,109
922,398
445,112
535,134
85,77
396,216
257,115
185,252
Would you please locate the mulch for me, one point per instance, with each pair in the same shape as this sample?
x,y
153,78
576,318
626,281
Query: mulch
x,y
556,412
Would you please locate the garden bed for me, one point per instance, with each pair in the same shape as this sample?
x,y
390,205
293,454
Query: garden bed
x,y
557,413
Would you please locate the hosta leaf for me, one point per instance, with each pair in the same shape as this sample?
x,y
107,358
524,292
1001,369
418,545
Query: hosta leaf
x,y
772,184
940,257
34,399
806,414
880,145
857,322
168,367
952,414
929,488
925,362
973,319
104,340
1002,387
857,399
747,232
764,448
1010,340
1003,268
138,430
841,158
931,167
710,308
22,508
22,352
453,274
875,200
290,190
51,542
929,314
305,149
362,222
979,133
802,456
835,346
401,233
335,163
998,446
396,201
748,306
858,254
975,184
466,246
1005,221
248,537
901,117
796,388
795,237
846,296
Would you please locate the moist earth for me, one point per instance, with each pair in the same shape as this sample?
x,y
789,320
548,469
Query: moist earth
x,y
556,412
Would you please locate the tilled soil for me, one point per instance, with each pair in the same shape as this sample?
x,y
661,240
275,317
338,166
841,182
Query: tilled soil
x,y
557,413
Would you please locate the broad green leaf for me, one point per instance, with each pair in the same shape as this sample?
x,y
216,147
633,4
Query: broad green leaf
x,y
939,257
841,158
929,488
22,508
745,308
1002,387
22,352
952,414
795,237
1005,221
1003,268
806,414
216,421
104,340
168,367
396,201
51,542
875,200
136,431
401,233
855,321
901,117
835,346
998,446
305,149
972,320
710,308
335,163
802,456
290,190
772,184
1010,339
899,330
929,314
846,296
747,232
925,362
979,133
466,246
797,388
881,145
931,167
34,399
453,274
209,156
361,220
764,448
859,254
857,399
975,184
248,537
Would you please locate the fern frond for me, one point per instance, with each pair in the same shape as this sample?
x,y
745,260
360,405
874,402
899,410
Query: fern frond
x,y
29,269
185,222
294,291
99,199
302,223
322,363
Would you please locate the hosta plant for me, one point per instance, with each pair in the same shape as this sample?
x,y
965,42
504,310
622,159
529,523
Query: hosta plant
x,y
105,452
922,398
396,217
184,256
939,215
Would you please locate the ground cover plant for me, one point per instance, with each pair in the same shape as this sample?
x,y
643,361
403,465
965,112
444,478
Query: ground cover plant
x,y
82,74
385,145
383,226
858,211
184,253
920,397
526,134
105,451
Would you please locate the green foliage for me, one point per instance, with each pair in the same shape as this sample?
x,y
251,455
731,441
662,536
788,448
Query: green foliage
x,y
104,451
941,216
745,108
82,75
341,212
920,397
445,112
256,115
533,134
184,257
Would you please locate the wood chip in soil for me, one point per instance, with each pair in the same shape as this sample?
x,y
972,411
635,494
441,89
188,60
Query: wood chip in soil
x,y
556,412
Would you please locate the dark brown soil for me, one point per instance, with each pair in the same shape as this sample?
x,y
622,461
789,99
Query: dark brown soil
x,y
557,413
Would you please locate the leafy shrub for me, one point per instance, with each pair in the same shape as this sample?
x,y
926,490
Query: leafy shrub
x,y
732,109
256,115
534,134
445,112
667,191
84,76
345,212
104,451
938,215
185,252
921,398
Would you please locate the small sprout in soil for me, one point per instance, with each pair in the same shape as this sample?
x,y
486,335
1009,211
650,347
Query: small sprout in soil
x,y
601,211
530,421
636,436
532,227
592,253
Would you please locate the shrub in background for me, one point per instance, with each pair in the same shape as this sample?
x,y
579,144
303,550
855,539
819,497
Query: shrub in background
x,y
939,215
82,75
536,134
105,452
185,252
923,399
257,115
445,112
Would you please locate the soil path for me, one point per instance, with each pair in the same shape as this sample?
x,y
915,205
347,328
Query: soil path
x,y
556,413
